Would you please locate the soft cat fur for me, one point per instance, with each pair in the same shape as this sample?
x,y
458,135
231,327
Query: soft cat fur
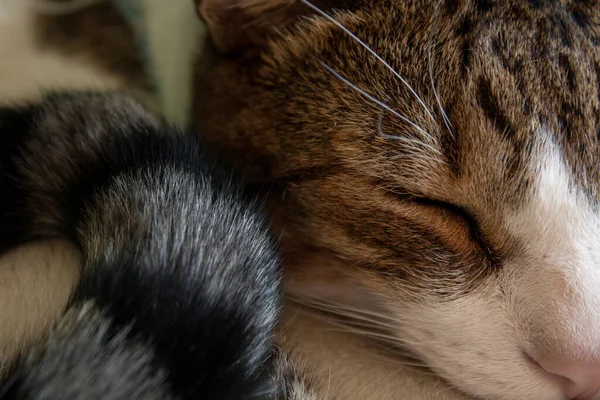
x,y
90,49
433,168
178,291
179,287
50,268
442,198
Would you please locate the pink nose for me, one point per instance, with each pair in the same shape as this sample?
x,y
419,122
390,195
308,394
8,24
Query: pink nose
x,y
580,379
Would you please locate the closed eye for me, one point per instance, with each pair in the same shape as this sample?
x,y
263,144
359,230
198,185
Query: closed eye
x,y
462,215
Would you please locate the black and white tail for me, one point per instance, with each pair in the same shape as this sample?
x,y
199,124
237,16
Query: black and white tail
x,y
179,289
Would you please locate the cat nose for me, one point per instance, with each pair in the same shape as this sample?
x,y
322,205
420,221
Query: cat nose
x,y
579,379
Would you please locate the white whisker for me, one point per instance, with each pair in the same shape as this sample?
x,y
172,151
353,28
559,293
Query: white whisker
x,y
361,315
418,157
379,336
403,363
402,138
373,99
437,97
395,356
377,56
348,313
447,388
316,301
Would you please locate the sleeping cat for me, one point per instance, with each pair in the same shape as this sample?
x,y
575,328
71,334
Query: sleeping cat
x,y
80,358
433,170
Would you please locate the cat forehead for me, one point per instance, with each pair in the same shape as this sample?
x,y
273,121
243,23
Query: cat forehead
x,y
483,88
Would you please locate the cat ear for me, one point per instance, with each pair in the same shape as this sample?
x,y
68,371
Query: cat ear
x,y
235,25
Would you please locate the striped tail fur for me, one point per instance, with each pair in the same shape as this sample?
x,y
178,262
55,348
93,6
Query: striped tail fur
x,y
180,281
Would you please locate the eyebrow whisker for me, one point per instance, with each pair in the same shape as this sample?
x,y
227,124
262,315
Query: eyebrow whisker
x,y
372,52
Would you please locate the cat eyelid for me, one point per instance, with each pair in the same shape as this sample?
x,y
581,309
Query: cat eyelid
x,y
455,210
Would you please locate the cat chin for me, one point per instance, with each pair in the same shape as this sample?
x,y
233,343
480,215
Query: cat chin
x,y
472,343
475,342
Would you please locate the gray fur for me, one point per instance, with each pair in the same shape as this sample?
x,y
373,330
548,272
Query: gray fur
x,y
179,291
82,360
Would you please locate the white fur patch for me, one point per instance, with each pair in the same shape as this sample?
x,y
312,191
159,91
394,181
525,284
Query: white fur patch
x,y
558,279
545,303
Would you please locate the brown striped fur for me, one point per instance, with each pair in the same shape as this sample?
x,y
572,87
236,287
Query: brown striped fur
x,y
422,199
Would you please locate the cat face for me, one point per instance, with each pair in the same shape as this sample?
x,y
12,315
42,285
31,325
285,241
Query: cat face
x,y
434,163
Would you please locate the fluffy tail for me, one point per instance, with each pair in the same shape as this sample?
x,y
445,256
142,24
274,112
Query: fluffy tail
x,y
179,290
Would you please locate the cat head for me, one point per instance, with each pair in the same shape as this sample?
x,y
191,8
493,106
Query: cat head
x,y
432,161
